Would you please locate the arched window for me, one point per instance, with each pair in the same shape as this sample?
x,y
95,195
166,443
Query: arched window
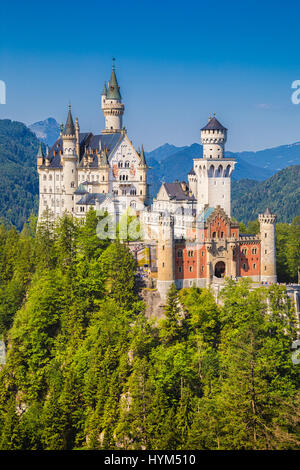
x,y
127,164
227,171
219,171
120,164
211,171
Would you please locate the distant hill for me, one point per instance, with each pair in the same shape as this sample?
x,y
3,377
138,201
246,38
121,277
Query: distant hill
x,y
18,176
281,193
164,151
47,131
275,158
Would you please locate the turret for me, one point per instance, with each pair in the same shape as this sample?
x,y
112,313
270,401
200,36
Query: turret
x,y
112,106
103,166
77,130
165,256
142,184
268,246
69,160
40,155
213,137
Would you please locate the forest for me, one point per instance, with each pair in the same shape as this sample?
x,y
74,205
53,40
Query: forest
x,y
86,369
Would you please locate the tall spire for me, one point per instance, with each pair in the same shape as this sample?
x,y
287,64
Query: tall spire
x,y
142,156
104,92
69,127
113,88
40,151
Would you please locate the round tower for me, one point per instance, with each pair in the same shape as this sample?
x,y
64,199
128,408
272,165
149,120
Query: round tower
x,y
142,184
213,137
112,106
213,171
103,166
165,256
268,246
69,162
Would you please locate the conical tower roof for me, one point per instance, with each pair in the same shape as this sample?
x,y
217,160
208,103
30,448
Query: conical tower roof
x,y
142,156
113,91
214,124
40,151
69,127
104,92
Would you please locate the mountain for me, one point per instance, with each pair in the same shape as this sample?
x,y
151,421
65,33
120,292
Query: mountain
x,y
164,151
47,131
275,158
281,193
19,180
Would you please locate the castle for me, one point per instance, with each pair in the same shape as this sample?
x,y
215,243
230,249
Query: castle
x,y
188,231
84,170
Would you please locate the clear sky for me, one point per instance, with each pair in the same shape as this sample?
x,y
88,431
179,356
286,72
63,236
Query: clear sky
x,y
176,63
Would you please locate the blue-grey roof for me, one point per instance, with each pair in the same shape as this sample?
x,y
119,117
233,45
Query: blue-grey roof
x,y
91,198
81,189
214,124
175,191
203,216
69,127
86,139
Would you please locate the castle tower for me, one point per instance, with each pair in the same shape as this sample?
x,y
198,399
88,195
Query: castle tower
x,y
213,171
112,106
142,184
69,162
103,169
268,246
40,156
165,256
77,130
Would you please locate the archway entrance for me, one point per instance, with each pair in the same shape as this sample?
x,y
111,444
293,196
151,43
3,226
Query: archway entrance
x,y
220,269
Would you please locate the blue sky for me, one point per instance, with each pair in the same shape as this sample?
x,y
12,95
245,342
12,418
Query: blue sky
x,y
176,62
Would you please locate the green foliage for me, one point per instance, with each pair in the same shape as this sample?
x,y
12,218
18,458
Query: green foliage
x,y
85,368
280,192
288,250
19,179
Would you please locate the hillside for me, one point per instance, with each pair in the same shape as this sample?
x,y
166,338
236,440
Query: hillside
x,y
86,369
281,193
18,181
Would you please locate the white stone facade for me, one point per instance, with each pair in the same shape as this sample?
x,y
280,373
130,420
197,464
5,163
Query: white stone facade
x,y
79,166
